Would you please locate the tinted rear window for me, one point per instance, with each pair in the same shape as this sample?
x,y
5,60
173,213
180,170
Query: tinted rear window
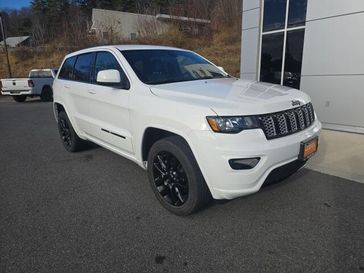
x,y
82,69
41,74
66,72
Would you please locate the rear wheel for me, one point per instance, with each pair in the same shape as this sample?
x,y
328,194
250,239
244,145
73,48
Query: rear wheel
x,y
47,94
175,177
20,98
70,139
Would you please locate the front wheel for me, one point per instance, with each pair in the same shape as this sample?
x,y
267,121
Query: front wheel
x,y
20,98
176,178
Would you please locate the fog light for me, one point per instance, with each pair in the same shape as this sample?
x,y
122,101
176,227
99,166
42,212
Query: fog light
x,y
244,163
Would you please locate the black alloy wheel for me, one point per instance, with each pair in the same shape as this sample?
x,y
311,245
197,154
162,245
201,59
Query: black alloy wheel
x,y
65,133
71,141
175,176
170,179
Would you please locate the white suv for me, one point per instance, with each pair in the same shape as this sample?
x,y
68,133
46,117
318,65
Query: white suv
x,y
199,132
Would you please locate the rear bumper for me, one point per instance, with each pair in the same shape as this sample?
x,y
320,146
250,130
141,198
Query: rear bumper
x,y
17,92
213,151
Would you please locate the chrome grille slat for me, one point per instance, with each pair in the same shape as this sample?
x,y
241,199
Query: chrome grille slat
x,y
311,112
301,121
288,122
306,115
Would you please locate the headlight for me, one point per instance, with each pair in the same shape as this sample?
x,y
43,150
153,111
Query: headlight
x,y
232,125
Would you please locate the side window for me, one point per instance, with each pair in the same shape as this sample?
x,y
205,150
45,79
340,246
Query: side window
x,y
104,61
82,70
66,72
41,74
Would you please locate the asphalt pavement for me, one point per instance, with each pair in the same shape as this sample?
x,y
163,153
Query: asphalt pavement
x,y
94,211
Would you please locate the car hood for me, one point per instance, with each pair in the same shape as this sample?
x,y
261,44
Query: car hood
x,y
231,96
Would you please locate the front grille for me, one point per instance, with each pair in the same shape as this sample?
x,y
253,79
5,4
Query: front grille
x,y
287,122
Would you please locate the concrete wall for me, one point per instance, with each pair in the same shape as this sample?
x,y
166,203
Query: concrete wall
x,y
333,62
124,24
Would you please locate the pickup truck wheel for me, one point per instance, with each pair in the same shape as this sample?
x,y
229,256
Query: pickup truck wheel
x,y
176,178
70,139
47,94
20,98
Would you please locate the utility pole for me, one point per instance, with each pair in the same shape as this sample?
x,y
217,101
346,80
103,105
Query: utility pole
x,y
5,45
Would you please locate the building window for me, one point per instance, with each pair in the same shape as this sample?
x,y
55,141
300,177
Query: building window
x,y
297,13
293,58
274,14
133,36
105,35
283,30
271,59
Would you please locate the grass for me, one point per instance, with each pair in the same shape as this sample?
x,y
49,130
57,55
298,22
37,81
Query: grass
x,y
222,48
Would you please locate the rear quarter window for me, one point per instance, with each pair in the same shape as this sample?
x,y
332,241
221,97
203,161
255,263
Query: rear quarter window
x,y
66,72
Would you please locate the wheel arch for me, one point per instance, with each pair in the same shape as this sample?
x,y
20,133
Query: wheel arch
x,y
59,107
47,86
153,134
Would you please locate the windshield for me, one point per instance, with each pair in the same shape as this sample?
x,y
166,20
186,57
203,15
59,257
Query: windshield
x,y
166,66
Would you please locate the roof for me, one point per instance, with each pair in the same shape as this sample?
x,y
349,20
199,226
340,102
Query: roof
x,y
161,17
124,47
167,17
14,41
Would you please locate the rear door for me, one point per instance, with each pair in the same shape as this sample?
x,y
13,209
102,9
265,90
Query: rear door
x,y
80,91
75,83
108,105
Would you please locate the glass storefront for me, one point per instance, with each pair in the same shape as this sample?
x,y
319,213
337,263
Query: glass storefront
x,y
282,41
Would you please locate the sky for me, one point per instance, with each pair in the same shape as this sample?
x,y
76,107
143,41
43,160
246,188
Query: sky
x,y
14,4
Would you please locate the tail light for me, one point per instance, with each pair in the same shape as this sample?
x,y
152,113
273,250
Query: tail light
x,y
30,83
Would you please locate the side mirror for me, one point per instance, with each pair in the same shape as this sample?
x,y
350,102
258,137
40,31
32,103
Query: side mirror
x,y
221,68
109,76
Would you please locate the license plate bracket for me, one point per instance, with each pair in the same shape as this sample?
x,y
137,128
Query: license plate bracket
x,y
308,149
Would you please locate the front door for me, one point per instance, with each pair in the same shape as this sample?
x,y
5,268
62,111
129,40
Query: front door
x,y
108,106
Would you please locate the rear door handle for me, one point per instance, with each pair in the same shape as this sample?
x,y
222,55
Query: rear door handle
x,y
92,92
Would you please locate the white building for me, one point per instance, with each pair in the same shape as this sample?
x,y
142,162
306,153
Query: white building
x,y
314,45
125,25
107,24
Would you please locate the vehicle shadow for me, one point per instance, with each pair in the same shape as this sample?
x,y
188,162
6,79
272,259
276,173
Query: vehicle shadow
x,y
34,100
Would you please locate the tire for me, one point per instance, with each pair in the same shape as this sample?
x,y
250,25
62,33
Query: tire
x,y
20,98
71,142
175,177
47,94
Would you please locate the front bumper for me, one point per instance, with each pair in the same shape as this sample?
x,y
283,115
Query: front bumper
x,y
213,151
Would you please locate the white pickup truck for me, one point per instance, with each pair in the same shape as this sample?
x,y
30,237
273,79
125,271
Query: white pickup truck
x,y
39,83
197,131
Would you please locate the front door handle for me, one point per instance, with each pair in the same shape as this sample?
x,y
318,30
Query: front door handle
x,y
92,92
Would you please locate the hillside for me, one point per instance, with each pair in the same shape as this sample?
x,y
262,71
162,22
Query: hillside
x,y
223,49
